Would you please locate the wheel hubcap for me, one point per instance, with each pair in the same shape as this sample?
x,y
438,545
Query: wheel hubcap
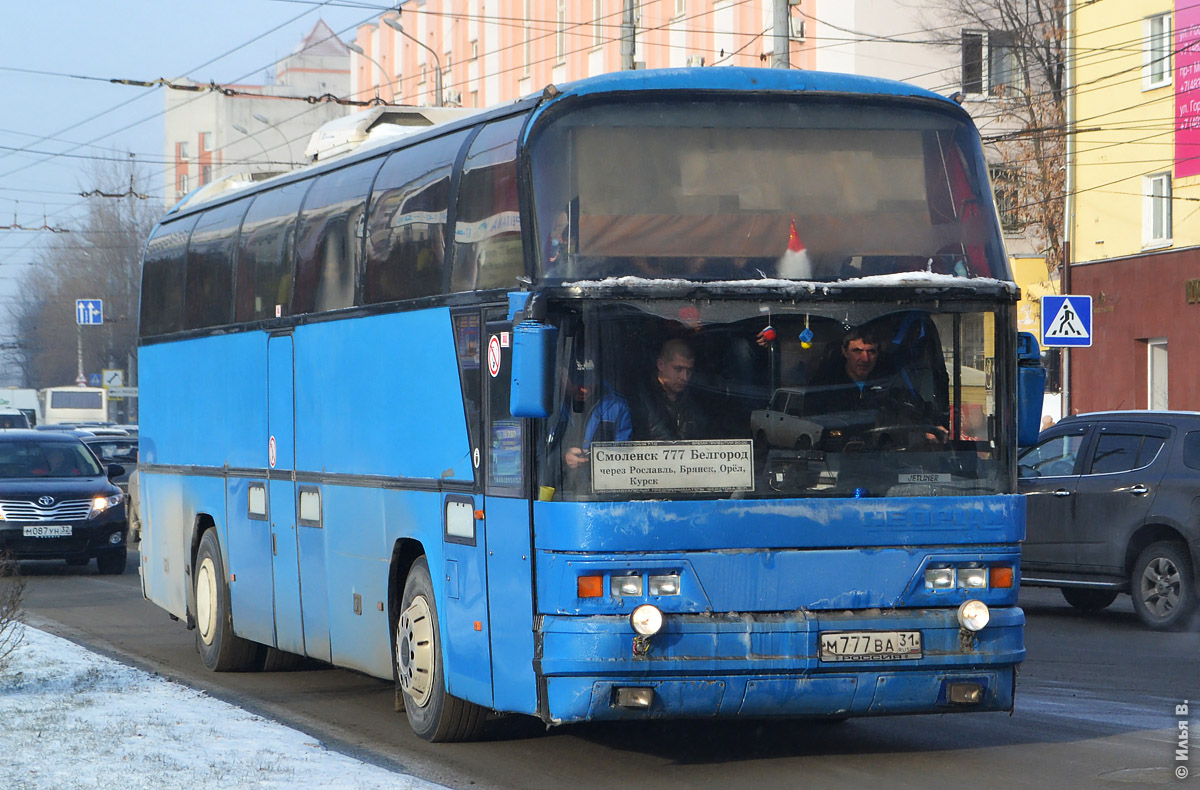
x,y
414,651
206,600
1161,583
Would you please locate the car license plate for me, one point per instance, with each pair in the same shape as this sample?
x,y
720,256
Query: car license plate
x,y
870,645
47,531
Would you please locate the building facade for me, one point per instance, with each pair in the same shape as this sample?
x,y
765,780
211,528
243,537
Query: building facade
x,y
1132,212
257,128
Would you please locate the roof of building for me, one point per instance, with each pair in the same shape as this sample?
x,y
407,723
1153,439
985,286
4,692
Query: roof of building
x,y
321,41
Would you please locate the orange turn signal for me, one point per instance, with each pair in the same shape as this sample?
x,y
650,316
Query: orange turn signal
x,y
590,586
1001,577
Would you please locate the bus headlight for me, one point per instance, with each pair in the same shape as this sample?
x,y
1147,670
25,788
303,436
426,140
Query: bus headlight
x,y
625,586
972,578
973,615
646,620
939,578
666,584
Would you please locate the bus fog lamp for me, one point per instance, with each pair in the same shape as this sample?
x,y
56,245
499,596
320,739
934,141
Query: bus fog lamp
x,y
626,586
114,538
964,693
646,620
939,578
972,578
973,615
630,697
664,585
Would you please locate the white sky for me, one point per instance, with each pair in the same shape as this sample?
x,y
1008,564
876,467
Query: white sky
x,y
75,719
59,121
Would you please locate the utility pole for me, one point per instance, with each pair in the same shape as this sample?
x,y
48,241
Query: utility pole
x,y
782,33
627,35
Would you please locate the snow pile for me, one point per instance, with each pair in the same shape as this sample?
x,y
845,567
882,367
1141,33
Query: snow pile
x,y
75,719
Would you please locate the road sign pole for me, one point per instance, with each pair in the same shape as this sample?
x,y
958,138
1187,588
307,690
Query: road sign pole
x,y
80,379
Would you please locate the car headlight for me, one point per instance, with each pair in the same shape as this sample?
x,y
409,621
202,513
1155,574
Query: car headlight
x,y
103,503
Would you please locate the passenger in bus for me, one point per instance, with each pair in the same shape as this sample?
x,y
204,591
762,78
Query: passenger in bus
x,y
556,242
593,412
666,409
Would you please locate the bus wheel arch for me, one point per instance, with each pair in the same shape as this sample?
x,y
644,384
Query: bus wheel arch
x,y
434,714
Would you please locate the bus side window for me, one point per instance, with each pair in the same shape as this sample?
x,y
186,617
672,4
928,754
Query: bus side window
x,y
162,278
267,242
406,229
328,239
487,226
208,293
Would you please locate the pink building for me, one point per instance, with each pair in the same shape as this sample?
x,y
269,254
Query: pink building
x,y
495,51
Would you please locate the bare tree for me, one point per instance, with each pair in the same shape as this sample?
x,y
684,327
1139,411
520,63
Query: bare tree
x,y
99,259
12,593
1014,54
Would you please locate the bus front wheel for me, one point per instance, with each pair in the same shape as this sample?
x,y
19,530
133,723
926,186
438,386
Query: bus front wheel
x,y
220,649
435,714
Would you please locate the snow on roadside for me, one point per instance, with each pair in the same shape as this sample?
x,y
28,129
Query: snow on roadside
x,y
70,718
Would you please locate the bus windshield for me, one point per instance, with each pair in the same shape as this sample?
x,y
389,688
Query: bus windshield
x,y
752,188
669,399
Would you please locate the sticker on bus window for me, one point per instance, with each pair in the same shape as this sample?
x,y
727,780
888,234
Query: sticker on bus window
x,y
723,465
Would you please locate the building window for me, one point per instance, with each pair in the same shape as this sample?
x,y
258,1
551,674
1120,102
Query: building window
x,y
680,8
597,23
989,63
205,141
1156,200
1156,52
205,174
181,151
1005,180
527,47
182,189
560,30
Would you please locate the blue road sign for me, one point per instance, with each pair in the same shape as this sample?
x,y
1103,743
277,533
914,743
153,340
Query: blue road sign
x,y
94,380
1067,321
89,312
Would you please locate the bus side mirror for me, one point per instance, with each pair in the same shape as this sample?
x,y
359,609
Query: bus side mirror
x,y
534,344
1031,389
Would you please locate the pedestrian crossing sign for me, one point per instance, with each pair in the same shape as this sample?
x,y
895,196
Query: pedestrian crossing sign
x,y
1067,321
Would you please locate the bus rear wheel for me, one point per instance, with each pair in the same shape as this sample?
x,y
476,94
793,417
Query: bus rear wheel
x,y
434,714
220,649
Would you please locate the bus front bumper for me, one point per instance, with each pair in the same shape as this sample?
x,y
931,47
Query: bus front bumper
x,y
770,665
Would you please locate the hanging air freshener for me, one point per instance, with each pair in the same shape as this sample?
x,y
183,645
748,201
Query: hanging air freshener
x,y
767,333
806,337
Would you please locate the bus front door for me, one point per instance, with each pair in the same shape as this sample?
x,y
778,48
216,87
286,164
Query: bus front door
x,y
281,451
509,537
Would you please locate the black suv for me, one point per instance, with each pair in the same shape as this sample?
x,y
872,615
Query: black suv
x,y
58,502
1112,506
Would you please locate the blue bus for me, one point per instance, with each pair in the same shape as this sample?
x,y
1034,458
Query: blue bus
x,y
556,409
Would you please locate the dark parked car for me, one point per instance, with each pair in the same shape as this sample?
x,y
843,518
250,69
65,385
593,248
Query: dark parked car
x,y
58,502
1111,508
115,450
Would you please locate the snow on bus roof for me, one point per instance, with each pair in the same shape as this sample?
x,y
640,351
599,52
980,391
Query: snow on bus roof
x,y
899,280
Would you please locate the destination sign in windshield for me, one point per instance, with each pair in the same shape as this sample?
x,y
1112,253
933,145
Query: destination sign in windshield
x,y
726,465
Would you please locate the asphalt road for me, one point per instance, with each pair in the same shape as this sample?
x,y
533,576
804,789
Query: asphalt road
x,y
1095,708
